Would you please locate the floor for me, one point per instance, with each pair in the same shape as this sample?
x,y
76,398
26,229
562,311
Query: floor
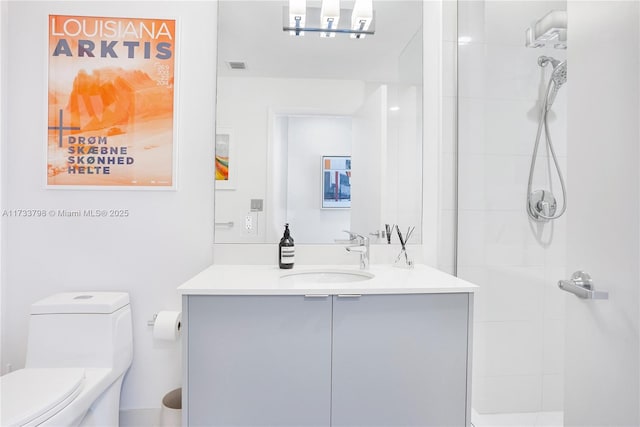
x,y
522,419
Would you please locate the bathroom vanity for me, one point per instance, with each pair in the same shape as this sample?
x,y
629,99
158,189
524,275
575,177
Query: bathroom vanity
x,y
326,346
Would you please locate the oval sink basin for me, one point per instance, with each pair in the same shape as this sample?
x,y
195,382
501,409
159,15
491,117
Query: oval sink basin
x,y
325,276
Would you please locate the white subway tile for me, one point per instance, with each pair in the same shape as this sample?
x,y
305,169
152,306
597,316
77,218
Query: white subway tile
x,y
553,346
472,120
471,20
512,293
508,348
506,182
510,241
471,238
552,399
515,393
511,126
471,70
554,297
471,178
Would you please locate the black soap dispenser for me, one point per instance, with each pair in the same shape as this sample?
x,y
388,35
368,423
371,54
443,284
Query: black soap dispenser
x,y
286,251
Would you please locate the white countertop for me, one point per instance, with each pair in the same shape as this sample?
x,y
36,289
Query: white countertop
x,y
266,280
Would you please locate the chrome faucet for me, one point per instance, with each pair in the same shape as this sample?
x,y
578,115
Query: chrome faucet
x,y
361,246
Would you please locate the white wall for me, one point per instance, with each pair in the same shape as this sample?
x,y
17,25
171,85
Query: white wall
x,y
3,222
519,314
168,236
602,346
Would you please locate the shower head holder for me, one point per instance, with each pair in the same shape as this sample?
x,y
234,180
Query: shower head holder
x,y
544,60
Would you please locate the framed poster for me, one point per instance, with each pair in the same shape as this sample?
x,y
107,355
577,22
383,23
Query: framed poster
x,y
111,102
226,170
336,182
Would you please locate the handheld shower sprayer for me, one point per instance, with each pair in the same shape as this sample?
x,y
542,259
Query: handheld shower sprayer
x,y
541,204
558,76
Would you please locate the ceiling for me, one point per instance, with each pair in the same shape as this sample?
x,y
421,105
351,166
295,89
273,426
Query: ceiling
x,y
251,31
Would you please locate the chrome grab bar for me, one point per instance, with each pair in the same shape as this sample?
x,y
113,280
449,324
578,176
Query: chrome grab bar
x,y
582,286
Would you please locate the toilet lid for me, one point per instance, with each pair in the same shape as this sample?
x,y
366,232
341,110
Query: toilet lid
x,y
28,394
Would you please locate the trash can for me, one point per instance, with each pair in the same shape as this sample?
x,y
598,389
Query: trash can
x,y
171,411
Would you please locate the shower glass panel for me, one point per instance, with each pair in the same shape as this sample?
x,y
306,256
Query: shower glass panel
x,y
519,312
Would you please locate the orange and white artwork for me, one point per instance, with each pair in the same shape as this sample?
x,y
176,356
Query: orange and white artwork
x,y
111,102
222,157
226,165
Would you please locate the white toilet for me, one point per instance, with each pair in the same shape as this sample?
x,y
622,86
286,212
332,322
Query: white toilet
x,y
80,346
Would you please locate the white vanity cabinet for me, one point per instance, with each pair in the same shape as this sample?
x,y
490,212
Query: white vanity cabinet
x,y
400,360
257,361
338,360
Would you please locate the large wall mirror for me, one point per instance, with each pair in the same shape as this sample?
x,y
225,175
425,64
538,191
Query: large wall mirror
x,y
323,133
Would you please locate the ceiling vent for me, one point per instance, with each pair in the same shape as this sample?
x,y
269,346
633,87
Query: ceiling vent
x,y
237,65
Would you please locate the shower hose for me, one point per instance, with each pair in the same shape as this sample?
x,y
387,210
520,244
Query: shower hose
x,y
546,107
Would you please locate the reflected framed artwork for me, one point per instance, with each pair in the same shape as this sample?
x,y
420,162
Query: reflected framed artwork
x,y
225,169
336,182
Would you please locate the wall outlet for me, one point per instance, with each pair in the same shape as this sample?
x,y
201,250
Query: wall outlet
x,y
251,223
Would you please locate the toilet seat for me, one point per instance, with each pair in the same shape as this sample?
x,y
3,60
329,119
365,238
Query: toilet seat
x,y
31,396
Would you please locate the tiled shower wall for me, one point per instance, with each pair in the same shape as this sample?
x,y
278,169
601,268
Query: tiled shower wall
x,y
519,313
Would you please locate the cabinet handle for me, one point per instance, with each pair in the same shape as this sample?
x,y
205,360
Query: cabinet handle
x,y
316,296
349,295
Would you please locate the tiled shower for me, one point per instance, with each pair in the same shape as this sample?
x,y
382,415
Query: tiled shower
x,y
519,313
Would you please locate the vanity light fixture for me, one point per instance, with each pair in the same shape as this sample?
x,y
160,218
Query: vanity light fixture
x,y
329,17
361,17
297,16
329,20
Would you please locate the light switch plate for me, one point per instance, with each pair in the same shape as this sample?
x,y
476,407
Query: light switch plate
x,y
256,205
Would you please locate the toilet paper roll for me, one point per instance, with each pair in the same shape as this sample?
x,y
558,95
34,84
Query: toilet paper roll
x,y
167,325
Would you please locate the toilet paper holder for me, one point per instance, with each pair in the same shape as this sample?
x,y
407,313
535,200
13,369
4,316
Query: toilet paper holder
x,y
152,321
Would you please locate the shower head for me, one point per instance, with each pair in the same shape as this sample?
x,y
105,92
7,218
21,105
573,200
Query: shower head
x,y
558,76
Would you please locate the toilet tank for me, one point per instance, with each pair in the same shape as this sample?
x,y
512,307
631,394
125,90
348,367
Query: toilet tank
x,y
81,329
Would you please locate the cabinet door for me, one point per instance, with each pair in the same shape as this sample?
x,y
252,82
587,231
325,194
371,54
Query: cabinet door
x,y
258,361
400,360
